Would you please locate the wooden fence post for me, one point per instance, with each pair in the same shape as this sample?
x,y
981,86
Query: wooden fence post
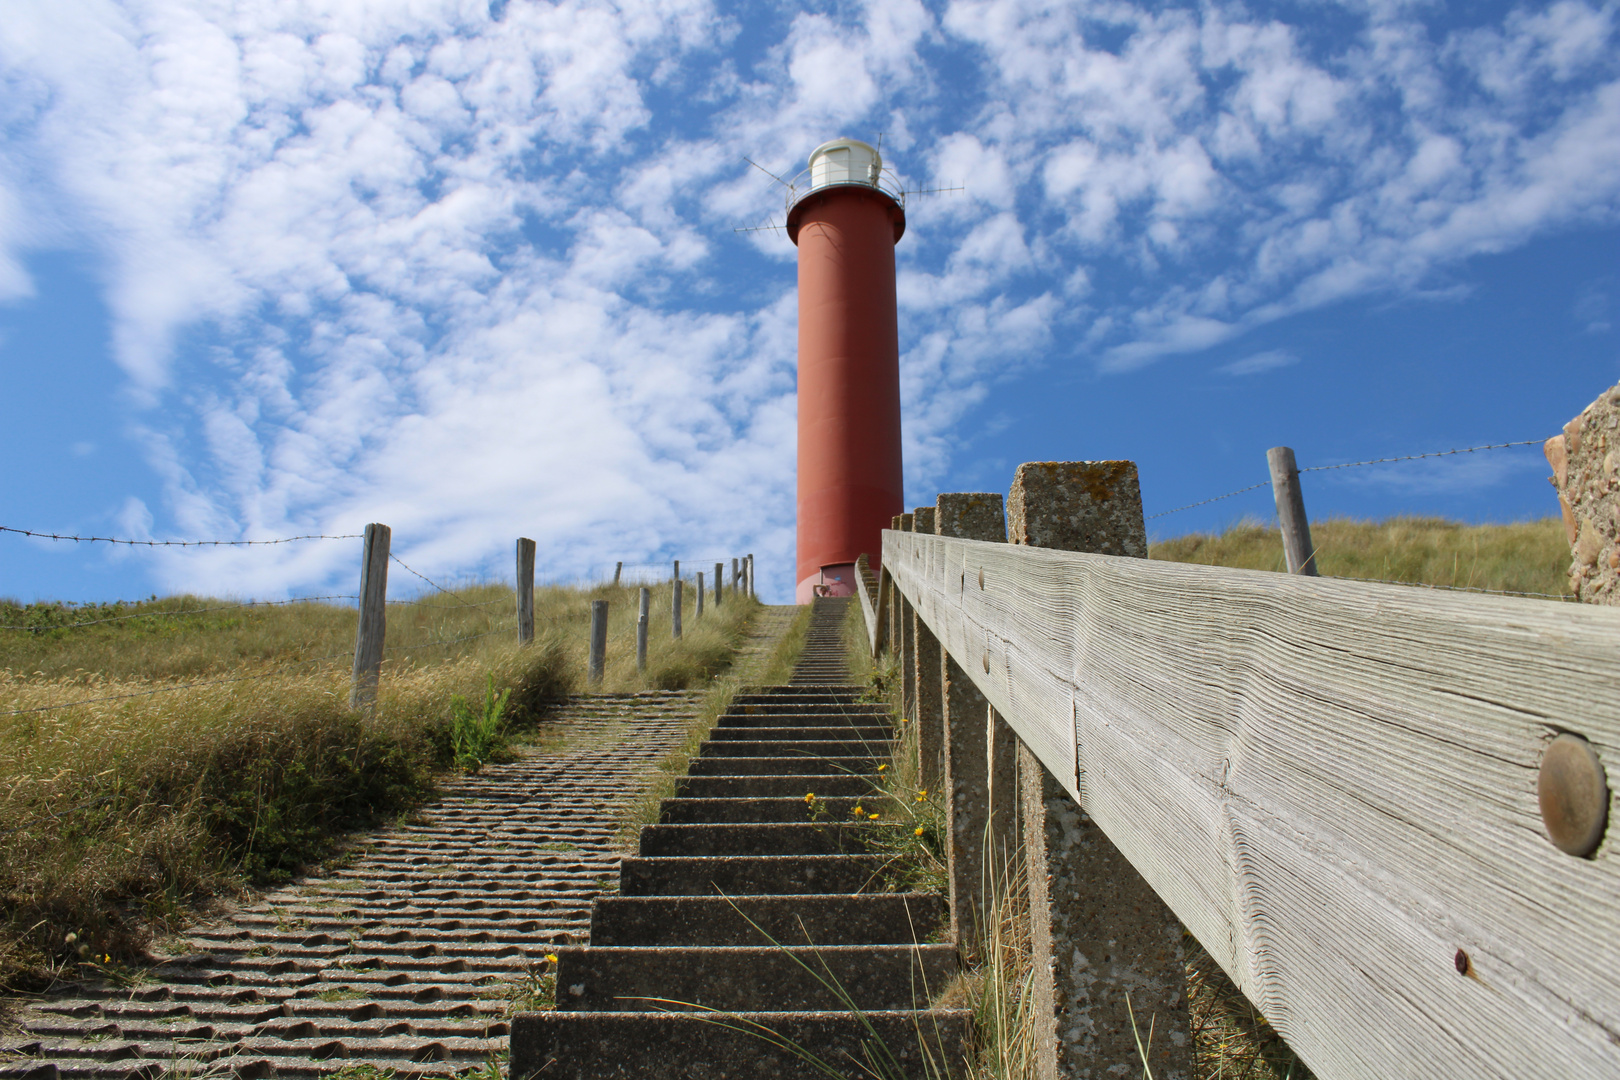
x,y
618,568
928,688
983,829
373,627
719,583
700,594
907,641
643,613
750,564
735,574
676,574
598,662
1296,527
1098,930
525,590
675,608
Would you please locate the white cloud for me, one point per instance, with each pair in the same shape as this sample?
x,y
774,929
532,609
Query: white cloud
x,y
1270,360
475,276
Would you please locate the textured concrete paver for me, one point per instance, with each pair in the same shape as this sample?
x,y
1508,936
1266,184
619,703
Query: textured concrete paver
x,y
408,957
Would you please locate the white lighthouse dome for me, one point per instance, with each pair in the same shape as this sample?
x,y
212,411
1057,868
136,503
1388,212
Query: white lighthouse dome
x,y
845,161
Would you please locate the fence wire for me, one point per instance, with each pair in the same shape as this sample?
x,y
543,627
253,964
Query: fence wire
x,y
1354,465
173,543
436,585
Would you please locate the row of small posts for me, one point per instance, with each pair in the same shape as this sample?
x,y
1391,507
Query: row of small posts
x,y
742,583
1098,930
371,632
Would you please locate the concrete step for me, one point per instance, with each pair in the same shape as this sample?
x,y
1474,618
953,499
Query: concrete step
x,y
765,787
846,691
686,1046
815,919
772,839
807,705
838,808
820,748
864,977
836,726
866,736
770,764
750,875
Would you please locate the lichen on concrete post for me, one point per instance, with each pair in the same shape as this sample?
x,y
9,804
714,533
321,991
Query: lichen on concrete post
x,y
1585,460
929,686
1099,931
982,841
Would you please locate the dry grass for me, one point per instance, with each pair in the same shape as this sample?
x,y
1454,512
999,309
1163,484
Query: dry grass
x,y
1527,556
158,761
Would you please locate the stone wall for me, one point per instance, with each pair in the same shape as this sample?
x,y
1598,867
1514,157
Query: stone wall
x,y
1585,461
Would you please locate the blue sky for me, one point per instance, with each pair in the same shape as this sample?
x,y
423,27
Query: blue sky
x,y
469,269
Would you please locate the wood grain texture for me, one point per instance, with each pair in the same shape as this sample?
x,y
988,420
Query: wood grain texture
x,y
1332,784
525,590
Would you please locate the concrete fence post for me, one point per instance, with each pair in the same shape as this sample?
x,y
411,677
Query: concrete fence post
x,y
1098,930
373,624
525,590
930,706
983,836
643,614
675,609
699,612
1295,526
598,661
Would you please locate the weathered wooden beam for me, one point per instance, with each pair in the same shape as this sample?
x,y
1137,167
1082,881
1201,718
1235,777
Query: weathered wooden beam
x,y
597,664
525,590
373,622
1294,525
929,704
1332,784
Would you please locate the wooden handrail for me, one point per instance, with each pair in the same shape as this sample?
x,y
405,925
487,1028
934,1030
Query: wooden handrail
x,y
1332,784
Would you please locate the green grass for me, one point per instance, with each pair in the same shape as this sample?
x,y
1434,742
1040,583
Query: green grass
x,y
1527,556
123,808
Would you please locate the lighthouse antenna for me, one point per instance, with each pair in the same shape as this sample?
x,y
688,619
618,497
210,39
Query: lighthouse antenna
x,y
768,172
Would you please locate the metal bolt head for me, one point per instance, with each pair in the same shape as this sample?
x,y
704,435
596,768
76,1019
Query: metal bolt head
x,y
1574,795
1462,962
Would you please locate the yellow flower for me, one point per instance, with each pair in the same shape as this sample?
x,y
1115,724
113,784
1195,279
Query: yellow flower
x,y
857,811
873,817
905,719
882,767
918,831
809,797
922,794
552,957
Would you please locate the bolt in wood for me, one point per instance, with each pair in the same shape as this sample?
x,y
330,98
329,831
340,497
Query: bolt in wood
x,y
525,590
373,627
599,617
1296,527
1574,794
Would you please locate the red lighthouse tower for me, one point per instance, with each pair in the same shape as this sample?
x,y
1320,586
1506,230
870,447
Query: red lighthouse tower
x,y
850,483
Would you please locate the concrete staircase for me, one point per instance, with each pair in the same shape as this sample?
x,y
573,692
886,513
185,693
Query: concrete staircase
x,y
744,928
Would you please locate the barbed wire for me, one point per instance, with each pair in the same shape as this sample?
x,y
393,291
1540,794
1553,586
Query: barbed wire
x,y
168,614
1416,457
465,603
177,686
430,581
1204,502
173,543
1352,465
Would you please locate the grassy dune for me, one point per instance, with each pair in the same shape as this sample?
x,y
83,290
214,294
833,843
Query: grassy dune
x,y
122,807
1527,556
